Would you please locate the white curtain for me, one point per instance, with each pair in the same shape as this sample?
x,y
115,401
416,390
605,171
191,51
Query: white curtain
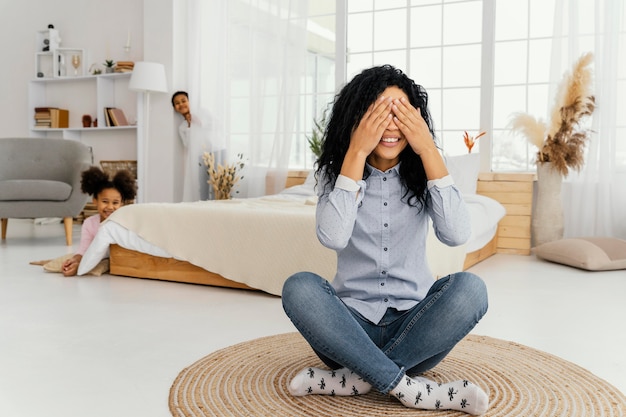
x,y
595,199
245,65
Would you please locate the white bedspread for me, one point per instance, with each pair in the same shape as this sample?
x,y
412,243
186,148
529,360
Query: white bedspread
x,y
259,242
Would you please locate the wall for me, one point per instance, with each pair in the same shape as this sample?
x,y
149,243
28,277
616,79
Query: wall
x,y
101,27
164,147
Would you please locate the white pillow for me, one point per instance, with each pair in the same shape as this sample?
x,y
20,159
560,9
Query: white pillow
x,y
305,189
464,170
310,180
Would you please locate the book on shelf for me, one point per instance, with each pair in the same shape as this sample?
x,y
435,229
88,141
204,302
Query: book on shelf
x,y
124,66
107,117
116,117
51,117
59,118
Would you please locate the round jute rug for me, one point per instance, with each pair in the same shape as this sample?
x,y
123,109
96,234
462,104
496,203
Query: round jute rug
x,y
251,378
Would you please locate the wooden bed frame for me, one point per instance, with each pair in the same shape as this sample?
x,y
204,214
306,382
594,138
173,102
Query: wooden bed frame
x,y
513,190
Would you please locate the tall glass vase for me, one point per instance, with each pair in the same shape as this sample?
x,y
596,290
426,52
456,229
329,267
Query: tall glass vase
x,y
547,217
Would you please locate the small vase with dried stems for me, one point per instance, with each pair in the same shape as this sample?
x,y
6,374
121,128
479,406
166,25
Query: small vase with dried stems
x,y
222,178
561,147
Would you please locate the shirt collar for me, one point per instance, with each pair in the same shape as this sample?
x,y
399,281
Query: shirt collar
x,y
370,170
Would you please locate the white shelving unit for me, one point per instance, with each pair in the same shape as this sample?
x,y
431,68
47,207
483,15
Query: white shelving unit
x,y
56,83
82,95
89,94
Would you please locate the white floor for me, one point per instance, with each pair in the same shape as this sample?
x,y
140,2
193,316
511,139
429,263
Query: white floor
x,y
112,346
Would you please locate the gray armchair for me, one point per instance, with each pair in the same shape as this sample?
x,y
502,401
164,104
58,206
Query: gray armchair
x,y
40,177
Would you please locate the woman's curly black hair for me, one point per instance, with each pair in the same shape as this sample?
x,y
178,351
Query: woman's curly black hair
x,y
94,180
350,105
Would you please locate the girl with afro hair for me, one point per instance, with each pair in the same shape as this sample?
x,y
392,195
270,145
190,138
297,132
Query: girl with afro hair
x,y
108,195
384,319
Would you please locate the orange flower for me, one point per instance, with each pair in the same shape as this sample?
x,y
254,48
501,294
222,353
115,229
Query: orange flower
x,y
471,140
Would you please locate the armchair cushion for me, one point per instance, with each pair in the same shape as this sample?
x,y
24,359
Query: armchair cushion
x,y
34,190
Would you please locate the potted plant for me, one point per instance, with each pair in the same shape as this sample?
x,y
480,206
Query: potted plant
x,y
316,140
109,65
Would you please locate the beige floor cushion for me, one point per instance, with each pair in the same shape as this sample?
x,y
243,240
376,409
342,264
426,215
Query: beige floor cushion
x,y
590,253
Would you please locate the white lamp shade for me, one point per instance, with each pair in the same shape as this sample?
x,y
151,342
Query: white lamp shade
x,y
148,76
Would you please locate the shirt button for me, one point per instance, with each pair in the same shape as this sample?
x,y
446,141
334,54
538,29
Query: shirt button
x,y
386,224
386,300
382,284
385,249
385,204
384,272
384,178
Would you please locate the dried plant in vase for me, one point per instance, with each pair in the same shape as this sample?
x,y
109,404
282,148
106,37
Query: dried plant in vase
x,y
561,140
561,146
223,178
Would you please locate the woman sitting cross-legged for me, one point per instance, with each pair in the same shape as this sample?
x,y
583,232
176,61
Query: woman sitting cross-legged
x,y
384,320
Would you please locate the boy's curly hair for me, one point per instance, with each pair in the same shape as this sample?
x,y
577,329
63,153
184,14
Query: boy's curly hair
x,y
350,105
94,180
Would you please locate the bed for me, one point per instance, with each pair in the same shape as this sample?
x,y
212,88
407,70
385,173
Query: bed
x,y
257,243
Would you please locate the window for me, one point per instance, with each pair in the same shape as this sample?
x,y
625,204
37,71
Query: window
x,y
319,83
480,61
523,42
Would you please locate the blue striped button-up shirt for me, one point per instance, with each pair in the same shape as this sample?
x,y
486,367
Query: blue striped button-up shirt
x,y
381,241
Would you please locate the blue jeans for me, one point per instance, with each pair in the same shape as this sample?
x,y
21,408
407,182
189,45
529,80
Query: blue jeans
x,y
410,341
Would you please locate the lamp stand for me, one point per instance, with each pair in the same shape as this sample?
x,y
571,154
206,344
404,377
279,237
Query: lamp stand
x,y
143,135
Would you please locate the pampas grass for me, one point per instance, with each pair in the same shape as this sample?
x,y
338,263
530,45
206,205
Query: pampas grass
x,y
223,178
561,140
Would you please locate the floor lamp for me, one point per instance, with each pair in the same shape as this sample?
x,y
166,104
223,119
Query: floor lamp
x,y
147,77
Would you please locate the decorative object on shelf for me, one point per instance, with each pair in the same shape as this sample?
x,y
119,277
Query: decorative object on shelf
x,y
109,66
124,66
86,120
146,78
48,39
61,57
223,178
94,69
470,141
127,45
95,122
61,69
75,63
561,146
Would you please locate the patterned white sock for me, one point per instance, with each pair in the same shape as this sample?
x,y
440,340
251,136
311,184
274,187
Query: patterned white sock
x,y
424,394
342,382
